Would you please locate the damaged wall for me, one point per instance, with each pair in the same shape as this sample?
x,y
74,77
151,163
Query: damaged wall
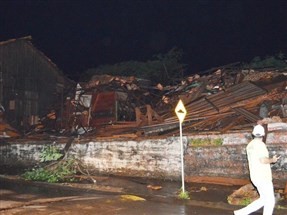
x,y
160,158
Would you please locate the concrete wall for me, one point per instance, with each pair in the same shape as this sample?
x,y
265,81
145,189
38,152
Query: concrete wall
x,y
146,158
205,155
155,158
229,160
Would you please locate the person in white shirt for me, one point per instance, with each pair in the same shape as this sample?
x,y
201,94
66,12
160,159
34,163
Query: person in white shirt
x,y
260,174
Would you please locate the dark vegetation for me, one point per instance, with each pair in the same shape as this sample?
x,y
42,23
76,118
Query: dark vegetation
x,y
168,68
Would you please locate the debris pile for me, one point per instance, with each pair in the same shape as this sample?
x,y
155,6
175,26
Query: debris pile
x,y
248,193
6,130
223,100
243,196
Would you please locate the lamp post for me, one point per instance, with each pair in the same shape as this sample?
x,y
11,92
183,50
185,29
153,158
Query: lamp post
x,y
181,113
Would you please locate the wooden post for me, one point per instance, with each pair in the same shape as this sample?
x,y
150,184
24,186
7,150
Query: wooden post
x,y
285,191
138,115
149,114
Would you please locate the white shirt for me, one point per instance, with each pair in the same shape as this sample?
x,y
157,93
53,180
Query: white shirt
x,y
257,149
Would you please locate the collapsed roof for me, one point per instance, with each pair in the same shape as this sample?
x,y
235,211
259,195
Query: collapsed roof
x,y
222,101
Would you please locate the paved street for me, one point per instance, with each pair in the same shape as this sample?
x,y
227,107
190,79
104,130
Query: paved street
x,y
111,196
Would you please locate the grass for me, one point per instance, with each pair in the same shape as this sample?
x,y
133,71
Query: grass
x,y
206,142
183,195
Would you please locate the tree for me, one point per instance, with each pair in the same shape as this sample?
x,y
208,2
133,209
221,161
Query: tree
x,y
277,62
163,68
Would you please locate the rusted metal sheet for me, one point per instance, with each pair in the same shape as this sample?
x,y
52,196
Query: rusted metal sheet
x,y
237,93
103,108
215,103
248,115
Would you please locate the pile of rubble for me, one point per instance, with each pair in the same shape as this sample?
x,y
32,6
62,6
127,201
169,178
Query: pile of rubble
x,y
225,100
222,100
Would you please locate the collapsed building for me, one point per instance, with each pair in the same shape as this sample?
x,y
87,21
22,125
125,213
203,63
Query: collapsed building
x,y
36,98
221,101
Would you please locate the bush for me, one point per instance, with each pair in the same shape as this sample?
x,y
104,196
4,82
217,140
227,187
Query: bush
x,y
55,172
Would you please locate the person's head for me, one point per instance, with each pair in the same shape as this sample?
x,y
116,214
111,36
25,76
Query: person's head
x,y
258,131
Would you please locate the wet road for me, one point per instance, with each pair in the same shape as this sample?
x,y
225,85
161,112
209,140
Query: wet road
x,y
110,205
124,197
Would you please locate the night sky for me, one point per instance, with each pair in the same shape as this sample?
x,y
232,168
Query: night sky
x,y
82,34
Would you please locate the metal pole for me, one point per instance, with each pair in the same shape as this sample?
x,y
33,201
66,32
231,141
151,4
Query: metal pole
x,y
182,164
